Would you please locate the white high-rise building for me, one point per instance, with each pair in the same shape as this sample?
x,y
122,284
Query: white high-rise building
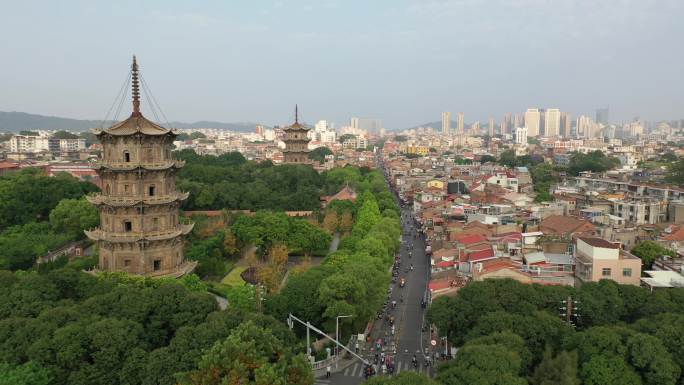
x,y
521,136
490,126
565,124
506,124
461,123
322,125
446,123
517,121
323,132
586,128
354,123
370,125
532,120
636,129
552,122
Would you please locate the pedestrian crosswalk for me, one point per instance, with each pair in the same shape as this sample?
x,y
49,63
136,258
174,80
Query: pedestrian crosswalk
x,y
356,370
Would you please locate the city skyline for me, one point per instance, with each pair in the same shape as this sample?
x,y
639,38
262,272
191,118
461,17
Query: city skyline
x,y
252,62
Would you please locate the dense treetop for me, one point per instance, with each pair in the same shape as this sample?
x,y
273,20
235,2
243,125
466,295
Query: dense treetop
x,y
229,181
40,213
29,195
511,334
73,328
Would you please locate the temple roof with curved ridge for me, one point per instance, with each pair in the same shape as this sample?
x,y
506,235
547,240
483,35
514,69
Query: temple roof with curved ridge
x,y
135,124
296,126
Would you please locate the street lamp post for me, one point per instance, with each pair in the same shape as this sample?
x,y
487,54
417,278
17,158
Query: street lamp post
x,y
337,336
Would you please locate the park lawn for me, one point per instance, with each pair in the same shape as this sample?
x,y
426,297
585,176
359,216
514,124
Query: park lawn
x,y
233,278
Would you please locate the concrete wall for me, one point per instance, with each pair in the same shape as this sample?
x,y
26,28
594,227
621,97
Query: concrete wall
x,y
597,252
616,270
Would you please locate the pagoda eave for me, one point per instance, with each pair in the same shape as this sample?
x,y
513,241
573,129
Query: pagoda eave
x,y
135,167
101,200
100,235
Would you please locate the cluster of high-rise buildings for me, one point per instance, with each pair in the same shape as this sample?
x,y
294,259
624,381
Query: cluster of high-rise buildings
x,y
551,122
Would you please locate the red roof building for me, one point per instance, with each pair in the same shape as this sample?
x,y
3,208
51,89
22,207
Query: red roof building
x,y
346,194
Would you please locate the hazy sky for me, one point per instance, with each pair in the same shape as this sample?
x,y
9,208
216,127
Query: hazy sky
x,y
404,61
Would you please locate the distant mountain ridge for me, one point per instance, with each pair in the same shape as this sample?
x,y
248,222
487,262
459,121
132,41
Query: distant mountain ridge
x,y
17,121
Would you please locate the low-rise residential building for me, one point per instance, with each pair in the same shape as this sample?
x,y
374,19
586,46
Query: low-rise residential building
x,y
596,259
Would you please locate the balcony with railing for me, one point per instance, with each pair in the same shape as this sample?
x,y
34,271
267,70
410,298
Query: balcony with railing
x,y
110,200
130,166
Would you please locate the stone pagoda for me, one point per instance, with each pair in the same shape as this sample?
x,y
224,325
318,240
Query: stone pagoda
x,y
296,142
139,231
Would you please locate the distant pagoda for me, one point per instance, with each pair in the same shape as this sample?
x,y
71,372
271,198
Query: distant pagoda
x,y
296,142
139,229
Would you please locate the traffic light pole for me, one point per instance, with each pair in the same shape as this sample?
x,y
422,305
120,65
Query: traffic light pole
x,y
308,325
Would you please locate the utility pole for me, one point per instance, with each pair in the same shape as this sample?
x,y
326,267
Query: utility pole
x,y
259,292
569,311
290,323
337,336
308,343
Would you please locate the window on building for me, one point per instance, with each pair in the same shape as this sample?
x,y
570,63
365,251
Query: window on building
x,y
626,272
149,155
128,226
151,191
125,188
127,156
107,189
155,223
127,262
606,272
157,264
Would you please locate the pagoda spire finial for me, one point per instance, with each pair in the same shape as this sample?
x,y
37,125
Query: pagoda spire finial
x,y
135,88
296,114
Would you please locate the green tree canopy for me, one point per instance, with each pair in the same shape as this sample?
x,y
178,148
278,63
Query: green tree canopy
x,y
595,161
72,216
558,370
30,195
64,135
482,365
649,251
487,158
251,355
319,154
675,172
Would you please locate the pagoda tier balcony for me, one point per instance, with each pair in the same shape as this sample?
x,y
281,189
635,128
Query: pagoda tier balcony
x,y
131,166
300,151
184,268
99,199
100,235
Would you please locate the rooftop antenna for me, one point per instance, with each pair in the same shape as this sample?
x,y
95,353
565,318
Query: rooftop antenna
x,y
296,115
135,85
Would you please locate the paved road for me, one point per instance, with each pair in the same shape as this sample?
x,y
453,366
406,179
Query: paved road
x,y
335,242
409,315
